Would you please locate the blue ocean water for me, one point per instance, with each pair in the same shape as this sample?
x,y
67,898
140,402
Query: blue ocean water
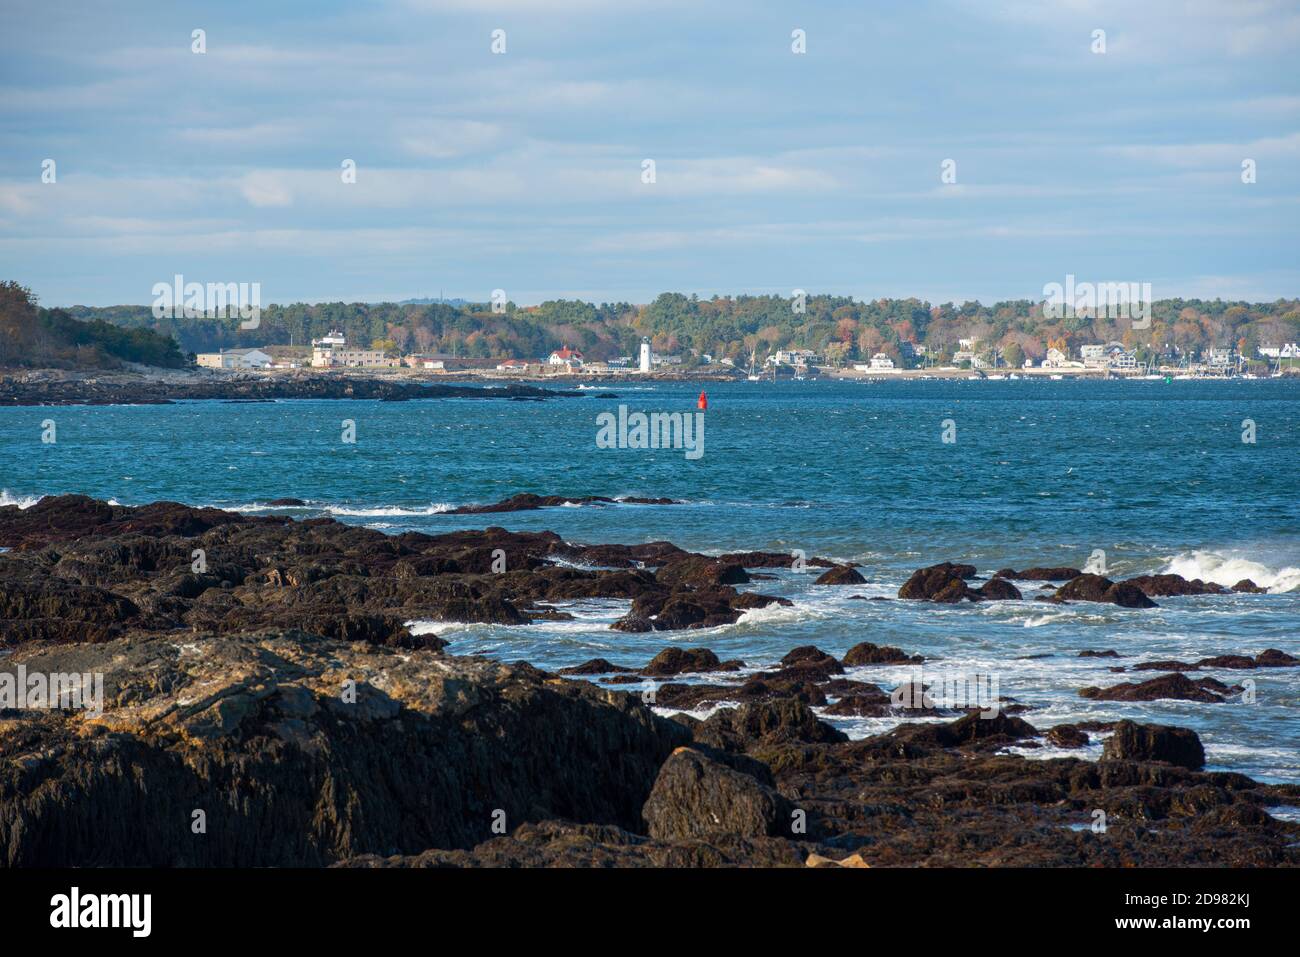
x,y
1153,474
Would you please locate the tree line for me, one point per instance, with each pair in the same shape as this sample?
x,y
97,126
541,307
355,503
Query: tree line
x,y
838,328
32,336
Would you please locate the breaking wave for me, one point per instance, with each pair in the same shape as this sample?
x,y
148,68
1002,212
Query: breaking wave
x,y
22,501
1227,570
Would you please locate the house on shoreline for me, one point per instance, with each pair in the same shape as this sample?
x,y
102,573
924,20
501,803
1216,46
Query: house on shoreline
x,y
234,359
570,358
331,352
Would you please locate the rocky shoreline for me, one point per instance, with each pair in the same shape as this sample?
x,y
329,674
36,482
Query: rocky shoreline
x,y
259,679
55,390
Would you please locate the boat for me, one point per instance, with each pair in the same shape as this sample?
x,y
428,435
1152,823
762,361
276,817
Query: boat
x,y
1056,378
996,378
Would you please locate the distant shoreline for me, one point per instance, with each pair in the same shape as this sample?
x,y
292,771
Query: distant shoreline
x,y
138,386
57,387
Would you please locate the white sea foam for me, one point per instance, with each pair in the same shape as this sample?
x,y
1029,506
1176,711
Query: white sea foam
x,y
433,508
1040,620
1227,570
22,501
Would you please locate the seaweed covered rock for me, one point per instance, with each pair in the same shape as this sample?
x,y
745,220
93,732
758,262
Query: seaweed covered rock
x,y
302,751
1155,742
938,582
696,797
841,575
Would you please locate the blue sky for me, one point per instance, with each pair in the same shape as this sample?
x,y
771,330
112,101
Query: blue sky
x,y
774,171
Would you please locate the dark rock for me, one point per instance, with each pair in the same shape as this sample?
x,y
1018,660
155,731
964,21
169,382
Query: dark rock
x,y
1156,586
1127,595
970,729
927,583
1234,662
1108,653
840,575
861,704
1269,658
1175,686
56,610
771,560
865,653
695,797
1067,736
1164,665
999,589
696,570
149,390
679,661
596,666
690,608
1246,586
809,658
1085,588
564,844
1272,658
954,592
1101,589
1059,574
1155,742
259,731
779,721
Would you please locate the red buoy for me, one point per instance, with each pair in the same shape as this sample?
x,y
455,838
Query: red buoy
x,y
703,402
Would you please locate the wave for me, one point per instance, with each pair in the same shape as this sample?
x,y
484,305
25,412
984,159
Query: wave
x,y
351,511
1227,570
22,501
433,508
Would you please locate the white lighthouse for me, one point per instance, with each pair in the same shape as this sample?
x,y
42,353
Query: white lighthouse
x,y
645,354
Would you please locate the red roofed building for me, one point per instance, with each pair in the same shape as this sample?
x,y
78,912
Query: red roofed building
x,y
565,357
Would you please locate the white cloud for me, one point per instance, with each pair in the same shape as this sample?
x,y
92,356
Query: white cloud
x,y
266,189
448,138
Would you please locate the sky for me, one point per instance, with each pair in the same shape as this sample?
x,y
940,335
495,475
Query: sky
x,y
773,170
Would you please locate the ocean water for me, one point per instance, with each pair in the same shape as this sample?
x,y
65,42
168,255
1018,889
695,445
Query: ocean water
x,y
1154,475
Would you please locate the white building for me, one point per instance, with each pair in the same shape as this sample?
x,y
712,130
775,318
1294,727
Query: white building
x,y
1056,359
1094,356
1220,359
1289,351
571,358
794,357
332,352
646,359
1117,357
881,361
234,359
